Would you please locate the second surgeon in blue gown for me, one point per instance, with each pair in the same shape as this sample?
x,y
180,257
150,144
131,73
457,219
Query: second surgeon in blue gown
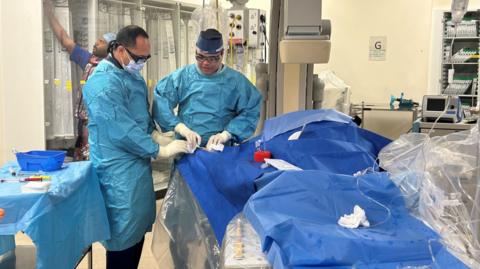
x,y
216,104
122,143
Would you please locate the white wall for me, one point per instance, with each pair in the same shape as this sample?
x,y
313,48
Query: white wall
x,y
21,77
406,24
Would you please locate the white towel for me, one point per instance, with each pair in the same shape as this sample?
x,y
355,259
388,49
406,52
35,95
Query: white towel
x,y
36,187
354,220
215,147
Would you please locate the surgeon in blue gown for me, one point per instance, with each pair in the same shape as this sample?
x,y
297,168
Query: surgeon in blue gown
x,y
216,104
122,142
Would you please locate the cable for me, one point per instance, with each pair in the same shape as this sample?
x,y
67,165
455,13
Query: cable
x,y
231,40
231,51
266,39
246,57
389,212
451,48
218,10
264,30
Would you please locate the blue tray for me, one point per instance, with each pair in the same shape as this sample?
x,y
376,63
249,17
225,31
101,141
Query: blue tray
x,y
41,160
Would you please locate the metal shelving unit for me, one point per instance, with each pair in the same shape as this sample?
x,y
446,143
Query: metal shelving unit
x,y
473,37
460,59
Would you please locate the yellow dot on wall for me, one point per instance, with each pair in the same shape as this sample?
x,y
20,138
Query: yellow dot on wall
x,y
68,85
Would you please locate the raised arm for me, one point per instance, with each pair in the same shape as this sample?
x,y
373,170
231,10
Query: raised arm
x,y
57,28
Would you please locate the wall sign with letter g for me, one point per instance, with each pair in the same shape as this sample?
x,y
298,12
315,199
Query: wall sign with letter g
x,y
378,48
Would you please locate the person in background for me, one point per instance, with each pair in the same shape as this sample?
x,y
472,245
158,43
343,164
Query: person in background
x,y
122,142
216,104
87,62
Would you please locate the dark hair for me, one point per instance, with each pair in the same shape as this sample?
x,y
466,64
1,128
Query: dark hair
x,y
127,37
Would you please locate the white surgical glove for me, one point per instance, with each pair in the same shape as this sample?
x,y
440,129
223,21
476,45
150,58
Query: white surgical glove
x,y
172,149
192,137
220,138
160,138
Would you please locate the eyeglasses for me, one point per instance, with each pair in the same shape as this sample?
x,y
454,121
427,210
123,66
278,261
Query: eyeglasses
x,y
210,59
138,59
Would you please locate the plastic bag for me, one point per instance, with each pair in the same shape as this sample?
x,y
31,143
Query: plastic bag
x,y
439,178
211,16
183,237
336,93
242,247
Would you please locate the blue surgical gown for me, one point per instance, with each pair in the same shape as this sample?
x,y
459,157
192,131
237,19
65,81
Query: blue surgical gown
x,y
208,105
120,150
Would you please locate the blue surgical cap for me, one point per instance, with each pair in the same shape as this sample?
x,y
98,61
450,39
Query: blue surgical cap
x,y
109,37
210,41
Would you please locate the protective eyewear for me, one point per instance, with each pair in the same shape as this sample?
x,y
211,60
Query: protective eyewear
x,y
210,59
138,59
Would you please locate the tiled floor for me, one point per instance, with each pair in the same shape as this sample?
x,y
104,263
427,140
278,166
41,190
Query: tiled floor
x,y
147,260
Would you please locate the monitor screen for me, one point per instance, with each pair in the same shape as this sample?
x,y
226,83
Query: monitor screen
x,y
434,104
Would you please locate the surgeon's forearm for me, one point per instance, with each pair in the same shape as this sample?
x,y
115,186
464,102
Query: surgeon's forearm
x,y
242,127
244,124
167,121
174,122
235,136
134,141
163,106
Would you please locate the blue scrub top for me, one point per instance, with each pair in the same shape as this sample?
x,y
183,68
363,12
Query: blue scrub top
x,y
208,105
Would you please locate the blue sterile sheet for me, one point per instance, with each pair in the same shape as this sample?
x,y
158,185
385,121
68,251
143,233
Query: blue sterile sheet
x,y
223,182
295,214
282,124
62,222
7,243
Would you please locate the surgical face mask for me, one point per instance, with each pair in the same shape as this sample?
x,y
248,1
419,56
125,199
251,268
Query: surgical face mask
x,y
132,67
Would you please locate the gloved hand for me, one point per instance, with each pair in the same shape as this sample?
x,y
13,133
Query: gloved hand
x,y
220,138
192,137
172,149
160,138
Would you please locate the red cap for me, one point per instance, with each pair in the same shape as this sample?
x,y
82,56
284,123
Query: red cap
x,y
260,156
